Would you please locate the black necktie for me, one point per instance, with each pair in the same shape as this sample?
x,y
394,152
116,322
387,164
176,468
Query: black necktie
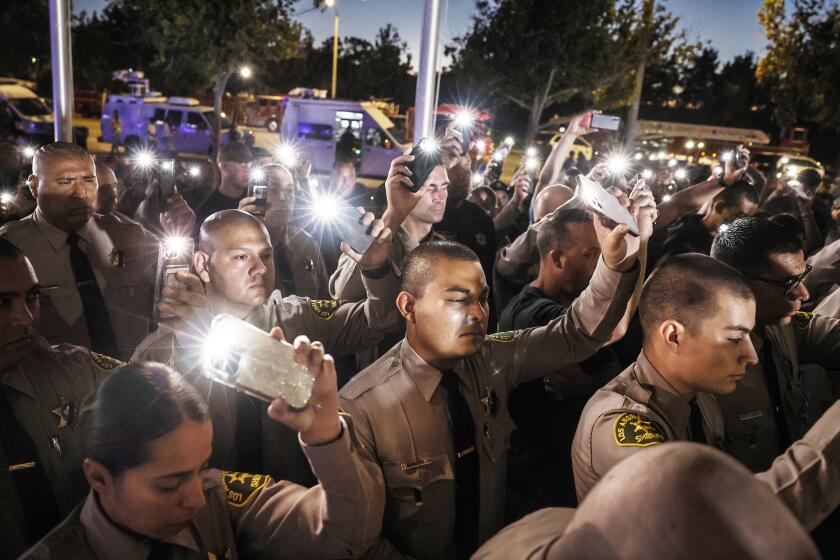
x,y
102,337
771,378
248,434
695,423
467,483
284,277
159,551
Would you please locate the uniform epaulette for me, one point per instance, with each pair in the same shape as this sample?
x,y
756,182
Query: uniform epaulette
x,y
375,375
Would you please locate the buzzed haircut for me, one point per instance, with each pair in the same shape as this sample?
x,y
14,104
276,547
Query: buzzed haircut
x,y
747,244
53,151
554,234
220,220
736,194
422,262
685,288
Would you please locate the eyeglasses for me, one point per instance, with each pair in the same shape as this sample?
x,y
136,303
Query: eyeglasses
x,y
787,285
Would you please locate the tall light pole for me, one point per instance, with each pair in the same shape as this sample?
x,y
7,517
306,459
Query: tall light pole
x,y
62,69
332,4
424,97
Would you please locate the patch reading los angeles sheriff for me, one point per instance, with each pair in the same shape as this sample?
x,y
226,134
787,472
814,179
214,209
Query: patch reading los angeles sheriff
x,y
503,336
242,487
635,430
105,362
324,308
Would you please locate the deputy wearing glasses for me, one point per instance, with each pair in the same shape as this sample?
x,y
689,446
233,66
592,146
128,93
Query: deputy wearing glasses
x,y
780,397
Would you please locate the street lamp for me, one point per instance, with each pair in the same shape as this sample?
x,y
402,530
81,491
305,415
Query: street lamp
x,y
245,72
332,4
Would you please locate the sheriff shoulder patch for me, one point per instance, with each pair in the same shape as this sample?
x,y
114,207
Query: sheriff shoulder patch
x,y
105,362
635,430
242,487
803,318
503,336
324,308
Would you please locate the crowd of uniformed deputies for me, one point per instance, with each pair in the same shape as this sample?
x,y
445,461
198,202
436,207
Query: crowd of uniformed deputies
x,y
409,457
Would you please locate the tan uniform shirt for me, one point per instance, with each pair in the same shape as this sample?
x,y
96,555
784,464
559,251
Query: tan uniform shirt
x,y
124,259
46,391
341,327
829,306
247,516
751,434
401,415
519,262
825,274
639,409
308,270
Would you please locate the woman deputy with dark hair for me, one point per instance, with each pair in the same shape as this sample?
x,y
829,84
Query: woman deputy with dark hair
x,y
148,437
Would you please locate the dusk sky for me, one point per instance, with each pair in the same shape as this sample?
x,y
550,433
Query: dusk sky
x,y
730,25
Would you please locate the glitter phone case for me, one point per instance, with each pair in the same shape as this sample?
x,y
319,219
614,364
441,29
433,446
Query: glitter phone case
x,y
241,356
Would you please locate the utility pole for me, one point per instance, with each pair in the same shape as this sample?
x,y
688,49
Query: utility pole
x,y
62,69
424,100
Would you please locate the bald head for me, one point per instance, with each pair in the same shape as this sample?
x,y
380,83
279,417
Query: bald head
x,y
48,154
550,199
217,224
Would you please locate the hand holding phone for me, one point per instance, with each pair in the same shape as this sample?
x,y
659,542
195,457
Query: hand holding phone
x,y
248,359
605,122
175,254
604,204
427,156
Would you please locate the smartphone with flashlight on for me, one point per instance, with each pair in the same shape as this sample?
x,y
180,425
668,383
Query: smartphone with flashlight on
x,y
604,204
605,122
165,174
426,157
174,255
248,359
260,194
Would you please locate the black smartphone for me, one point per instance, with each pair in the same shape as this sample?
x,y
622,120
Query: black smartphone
x,y
260,193
605,122
165,172
426,157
